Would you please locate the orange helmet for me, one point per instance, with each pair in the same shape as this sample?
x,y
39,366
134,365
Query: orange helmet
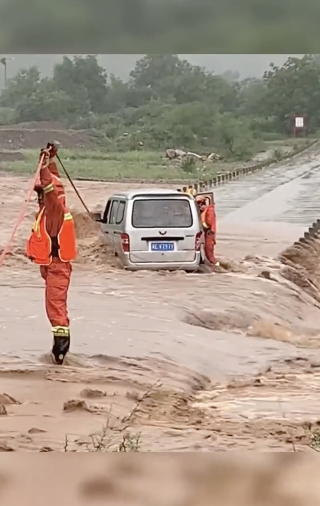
x,y
202,204
52,147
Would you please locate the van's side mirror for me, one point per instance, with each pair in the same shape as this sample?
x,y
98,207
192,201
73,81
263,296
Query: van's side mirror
x,y
97,217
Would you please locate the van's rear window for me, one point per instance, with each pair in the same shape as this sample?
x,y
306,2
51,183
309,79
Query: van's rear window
x,y
162,213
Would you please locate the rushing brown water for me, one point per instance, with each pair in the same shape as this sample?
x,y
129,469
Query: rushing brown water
x,y
242,479
173,348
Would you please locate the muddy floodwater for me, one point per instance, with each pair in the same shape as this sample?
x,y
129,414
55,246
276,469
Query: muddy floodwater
x,y
200,362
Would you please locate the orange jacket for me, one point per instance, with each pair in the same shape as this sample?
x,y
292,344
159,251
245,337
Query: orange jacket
x,y
53,224
39,245
208,218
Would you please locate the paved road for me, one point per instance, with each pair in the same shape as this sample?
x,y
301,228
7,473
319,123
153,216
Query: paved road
x,y
288,193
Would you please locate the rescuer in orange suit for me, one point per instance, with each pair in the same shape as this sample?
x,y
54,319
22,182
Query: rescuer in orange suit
x,y
209,225
52,245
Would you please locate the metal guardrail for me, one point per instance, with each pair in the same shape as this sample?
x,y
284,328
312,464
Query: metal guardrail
x,y
225,177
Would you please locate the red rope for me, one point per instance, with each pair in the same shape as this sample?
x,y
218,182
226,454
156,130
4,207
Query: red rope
x,y
21,214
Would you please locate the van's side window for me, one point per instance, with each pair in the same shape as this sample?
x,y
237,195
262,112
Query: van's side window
x,y
120,212
106,212
113,212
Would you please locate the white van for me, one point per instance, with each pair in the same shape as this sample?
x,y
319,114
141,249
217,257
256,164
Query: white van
x,y
153,229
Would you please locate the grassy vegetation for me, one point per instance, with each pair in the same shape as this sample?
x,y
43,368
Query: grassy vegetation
x,y
141,165
147,165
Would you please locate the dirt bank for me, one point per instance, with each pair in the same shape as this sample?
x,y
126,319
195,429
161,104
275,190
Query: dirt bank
x,y
302,261
93,251
32,135
10,156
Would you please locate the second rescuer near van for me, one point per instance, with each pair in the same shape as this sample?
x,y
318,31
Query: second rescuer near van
x,y
209,225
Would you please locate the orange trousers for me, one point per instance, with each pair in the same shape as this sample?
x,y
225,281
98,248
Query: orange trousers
x,y
209,244
57,280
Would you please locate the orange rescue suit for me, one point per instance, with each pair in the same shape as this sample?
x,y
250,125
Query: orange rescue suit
x,y
209,224
52,245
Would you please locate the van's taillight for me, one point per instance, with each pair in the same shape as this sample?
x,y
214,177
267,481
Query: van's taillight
x,y
198,241
125,241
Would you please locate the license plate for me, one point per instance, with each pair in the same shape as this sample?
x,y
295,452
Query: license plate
x,y
162,246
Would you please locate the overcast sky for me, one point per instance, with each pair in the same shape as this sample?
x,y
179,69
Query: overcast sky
x,y
246,64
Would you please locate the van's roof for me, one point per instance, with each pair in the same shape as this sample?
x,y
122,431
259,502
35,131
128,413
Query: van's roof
x,y
148,191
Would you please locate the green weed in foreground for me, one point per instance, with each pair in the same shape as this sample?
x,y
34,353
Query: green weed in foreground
x,y
106,441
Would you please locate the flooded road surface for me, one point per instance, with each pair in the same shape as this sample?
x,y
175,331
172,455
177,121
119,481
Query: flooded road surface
x,y
114,317
287,192
185,479
187,340
297,201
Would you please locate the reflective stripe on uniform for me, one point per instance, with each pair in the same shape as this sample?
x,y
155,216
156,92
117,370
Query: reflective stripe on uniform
x,y
49,188
68,216
36,226
60,331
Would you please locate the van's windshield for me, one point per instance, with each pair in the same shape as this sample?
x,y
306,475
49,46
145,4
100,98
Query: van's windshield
x,y
162,213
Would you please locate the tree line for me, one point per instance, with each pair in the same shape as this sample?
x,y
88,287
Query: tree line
x,y
167,102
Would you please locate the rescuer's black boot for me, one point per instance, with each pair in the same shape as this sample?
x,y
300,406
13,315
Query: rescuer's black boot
x,y
61,343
